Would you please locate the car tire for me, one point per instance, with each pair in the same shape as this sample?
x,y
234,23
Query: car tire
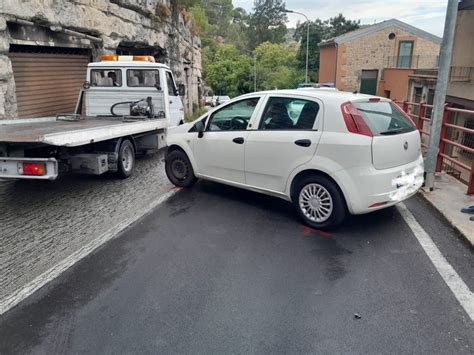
x,y
179,169
126,159
319,202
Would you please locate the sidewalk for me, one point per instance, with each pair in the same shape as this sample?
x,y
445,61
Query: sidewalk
x,y
449,197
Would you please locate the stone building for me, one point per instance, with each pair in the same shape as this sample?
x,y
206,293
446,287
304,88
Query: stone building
x,y
45,46
377,59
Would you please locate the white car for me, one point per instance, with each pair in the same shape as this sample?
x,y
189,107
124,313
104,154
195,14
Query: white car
x,y
220,100
328,152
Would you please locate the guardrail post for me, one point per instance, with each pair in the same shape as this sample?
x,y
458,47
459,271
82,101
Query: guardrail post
x,y
443,134
405,106
421,115
470,186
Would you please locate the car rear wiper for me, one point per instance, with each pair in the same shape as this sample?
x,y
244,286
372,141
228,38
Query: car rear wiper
x,y
393,131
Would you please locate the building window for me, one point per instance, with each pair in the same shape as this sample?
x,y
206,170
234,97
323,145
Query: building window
x,y
417,95
391,36
405,54
429,101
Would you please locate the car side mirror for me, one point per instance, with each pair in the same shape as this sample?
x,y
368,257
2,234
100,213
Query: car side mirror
x,y
200,128
181,90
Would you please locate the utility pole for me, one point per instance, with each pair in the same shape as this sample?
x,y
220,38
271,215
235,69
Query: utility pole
x,y
440,93
306,78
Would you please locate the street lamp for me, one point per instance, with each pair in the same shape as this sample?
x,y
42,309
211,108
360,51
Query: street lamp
x,y
307,40
254,69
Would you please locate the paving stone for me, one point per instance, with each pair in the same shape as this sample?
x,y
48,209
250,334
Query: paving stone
x,y
43,222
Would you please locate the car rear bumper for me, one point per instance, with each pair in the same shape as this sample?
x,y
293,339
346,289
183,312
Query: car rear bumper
x,y
369,189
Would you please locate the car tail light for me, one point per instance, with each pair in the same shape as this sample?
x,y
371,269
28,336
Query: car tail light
x,y
34,169
354,121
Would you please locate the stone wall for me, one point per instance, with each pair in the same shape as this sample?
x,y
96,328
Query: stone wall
x,y
150,24
373,52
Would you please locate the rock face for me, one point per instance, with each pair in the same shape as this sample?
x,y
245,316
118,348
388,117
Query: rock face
x,y
157,27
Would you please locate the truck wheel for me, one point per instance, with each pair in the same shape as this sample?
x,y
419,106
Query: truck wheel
x,y
319,202
179,169
126,159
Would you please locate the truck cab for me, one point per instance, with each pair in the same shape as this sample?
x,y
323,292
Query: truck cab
x,y
115,83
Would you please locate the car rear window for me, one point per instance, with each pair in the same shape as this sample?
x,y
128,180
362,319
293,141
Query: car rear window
x,y
384,118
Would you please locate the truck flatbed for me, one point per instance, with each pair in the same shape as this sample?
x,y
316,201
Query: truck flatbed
x,y
74,133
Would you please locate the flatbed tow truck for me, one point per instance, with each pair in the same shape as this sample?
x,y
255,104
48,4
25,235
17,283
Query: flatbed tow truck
x,y
129,102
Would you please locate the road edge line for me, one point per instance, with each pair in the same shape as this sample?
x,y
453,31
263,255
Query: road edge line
x,y
49,275
455,283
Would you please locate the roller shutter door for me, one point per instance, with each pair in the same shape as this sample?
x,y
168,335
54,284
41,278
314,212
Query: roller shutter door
x,y
48,83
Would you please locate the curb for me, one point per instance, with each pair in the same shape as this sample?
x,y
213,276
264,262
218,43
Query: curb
x,y
463,236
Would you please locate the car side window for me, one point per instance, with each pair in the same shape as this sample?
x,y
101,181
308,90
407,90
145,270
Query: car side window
x,y
283,113
171,85
233,117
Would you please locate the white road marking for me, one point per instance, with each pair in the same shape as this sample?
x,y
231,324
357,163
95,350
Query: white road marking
x,y
63,265
444,268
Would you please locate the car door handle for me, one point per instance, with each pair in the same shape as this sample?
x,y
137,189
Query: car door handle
x,y
303,142
238,140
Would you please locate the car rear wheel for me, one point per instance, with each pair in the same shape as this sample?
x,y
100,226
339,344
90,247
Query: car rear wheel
x,y
126,160
319,202
179,169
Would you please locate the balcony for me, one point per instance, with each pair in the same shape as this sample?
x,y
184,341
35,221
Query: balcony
x,y
412,62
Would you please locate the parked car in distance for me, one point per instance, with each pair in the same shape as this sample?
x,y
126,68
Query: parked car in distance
x,y
208,101
328,152
219,100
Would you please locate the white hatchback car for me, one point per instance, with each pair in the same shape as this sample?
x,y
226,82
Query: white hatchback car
x,y
329,152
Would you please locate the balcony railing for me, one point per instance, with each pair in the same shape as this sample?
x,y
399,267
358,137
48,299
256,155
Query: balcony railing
x,y
412,62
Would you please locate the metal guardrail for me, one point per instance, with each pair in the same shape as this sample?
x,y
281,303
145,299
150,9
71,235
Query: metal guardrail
x,y
453,152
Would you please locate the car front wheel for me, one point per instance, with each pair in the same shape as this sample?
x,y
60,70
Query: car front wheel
x,y
179,169
319,202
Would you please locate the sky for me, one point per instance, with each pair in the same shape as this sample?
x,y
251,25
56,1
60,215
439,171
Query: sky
x,y
427,15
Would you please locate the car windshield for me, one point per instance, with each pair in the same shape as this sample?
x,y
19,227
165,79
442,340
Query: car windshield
x,y
384,117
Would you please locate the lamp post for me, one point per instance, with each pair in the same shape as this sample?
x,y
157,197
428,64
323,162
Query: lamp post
x,y
307,40
254,69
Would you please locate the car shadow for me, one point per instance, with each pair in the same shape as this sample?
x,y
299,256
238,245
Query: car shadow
x,y
353,225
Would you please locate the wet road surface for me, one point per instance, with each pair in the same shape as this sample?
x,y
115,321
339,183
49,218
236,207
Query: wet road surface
x,y
221,270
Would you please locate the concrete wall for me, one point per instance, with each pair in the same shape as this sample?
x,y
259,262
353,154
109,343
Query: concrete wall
x,y
463,56
327,64
371,52
136,23
396,81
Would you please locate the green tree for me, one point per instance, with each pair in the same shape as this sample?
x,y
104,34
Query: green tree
x,y
199,19
228,72
277,66
267,23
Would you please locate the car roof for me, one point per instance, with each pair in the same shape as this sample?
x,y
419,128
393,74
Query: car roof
x,y
335,95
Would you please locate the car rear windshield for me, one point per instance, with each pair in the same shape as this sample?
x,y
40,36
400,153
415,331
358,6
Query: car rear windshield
x,y
384,118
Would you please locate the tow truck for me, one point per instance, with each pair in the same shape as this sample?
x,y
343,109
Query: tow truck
x,y
124,108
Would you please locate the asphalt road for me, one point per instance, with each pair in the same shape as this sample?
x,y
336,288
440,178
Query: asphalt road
x,y
220,270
